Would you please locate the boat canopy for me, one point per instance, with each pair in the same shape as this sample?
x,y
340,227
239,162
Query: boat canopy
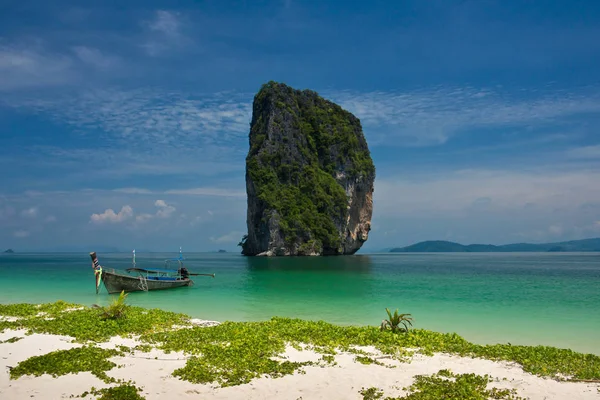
x,y
155,270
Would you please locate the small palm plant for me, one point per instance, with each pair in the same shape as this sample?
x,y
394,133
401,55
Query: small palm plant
x,y
395,321
117,308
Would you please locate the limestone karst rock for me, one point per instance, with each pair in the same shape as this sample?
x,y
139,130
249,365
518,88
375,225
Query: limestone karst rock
x,y
309,176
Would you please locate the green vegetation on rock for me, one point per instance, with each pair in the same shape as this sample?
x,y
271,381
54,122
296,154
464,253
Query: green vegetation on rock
x,y
298,143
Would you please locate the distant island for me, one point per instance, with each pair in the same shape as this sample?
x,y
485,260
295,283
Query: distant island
x,y
222,251
442,246
9,251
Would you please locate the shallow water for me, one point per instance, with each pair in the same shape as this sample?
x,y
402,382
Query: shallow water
x,y
521,298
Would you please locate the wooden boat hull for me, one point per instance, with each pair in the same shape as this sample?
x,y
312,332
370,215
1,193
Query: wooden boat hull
x,y
116,283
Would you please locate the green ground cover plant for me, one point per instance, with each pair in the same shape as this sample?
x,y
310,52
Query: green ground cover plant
x,y
124,391
90,323
448,386
234,353
72,361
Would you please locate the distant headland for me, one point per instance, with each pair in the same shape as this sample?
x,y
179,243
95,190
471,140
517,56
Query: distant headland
x,y
8,251
441,246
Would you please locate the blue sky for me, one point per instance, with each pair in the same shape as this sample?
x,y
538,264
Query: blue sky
x,y
127,125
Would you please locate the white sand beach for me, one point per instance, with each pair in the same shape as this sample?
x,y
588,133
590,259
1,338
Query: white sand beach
x,y
152,371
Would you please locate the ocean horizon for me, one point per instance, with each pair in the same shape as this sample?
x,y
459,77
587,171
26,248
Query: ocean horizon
x,y
519,298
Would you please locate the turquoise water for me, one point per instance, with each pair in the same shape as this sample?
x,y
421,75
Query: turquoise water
x,y
521,298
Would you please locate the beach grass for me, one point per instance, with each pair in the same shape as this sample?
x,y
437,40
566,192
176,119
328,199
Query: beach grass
x,y
234,353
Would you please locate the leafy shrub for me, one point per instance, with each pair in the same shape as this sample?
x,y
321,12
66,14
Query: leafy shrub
x,y
395,321
117,308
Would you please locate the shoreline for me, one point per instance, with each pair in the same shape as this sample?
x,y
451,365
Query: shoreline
x,y
469,332
311,360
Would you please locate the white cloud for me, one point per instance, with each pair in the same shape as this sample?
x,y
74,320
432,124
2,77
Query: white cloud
x,y
208,192
165,210
205,191
459,192
28,65
217,124
164,33
143,217
586,152
34,64
6,212
160,203
30,212
555,230
149,118
110,216
95,57
231,237
432,116
50,218
21,234
554,233
133,191
166,22
131,161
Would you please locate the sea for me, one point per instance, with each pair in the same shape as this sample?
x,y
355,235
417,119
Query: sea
x,y
519,298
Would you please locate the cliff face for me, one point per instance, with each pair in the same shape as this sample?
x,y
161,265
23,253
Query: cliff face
x,y
309,176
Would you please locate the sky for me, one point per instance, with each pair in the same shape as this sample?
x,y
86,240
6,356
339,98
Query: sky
x,y
126,125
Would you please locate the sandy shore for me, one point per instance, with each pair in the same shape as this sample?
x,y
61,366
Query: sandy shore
x,y
152,371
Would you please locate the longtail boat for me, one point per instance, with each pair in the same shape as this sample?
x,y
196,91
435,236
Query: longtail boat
x,y
143,279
